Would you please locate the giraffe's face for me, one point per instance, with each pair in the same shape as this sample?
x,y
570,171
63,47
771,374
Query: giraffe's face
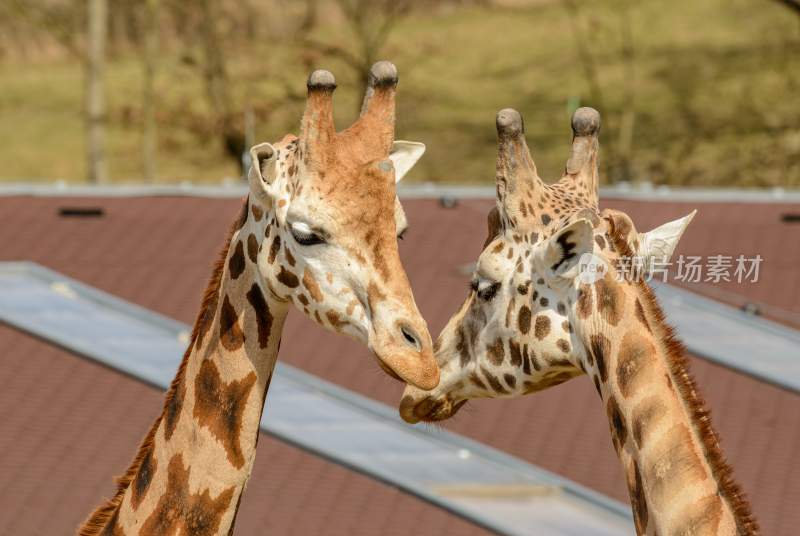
x,y
515,334
329,241
521,328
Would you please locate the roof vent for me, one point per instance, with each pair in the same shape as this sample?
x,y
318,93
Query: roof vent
x,y
790,217
751,308
81,212
448,201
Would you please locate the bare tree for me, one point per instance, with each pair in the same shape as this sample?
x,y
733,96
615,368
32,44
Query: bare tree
x,y
63,22
97,31
794,5
585,57
371,22
619,150
627,120
149,59
217,82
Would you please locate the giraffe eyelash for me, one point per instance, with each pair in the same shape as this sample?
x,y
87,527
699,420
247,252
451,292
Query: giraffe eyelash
x,y
487,292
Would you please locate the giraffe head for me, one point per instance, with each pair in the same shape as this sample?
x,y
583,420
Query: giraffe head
x,y
330,220
521,328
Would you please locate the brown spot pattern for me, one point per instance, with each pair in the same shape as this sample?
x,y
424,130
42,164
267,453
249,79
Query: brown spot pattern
x,y
584,301
476,380
524,319
236,262
676,465
600,347
172,410
641,316
220,407
461,347
230,334
206,317
645,417
619,432
180,512
496,352
312,286
633,371
263,315
638,500
515,353
542,327
702,517
289,257
252,247
287,278
511,381
274,248
494,383
610,299
141,482
335,320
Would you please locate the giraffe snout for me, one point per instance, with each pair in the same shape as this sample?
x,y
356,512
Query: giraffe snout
x,y
416,406
406,353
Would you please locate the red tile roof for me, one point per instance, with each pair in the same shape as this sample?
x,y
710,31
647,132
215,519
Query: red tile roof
x,y
73,424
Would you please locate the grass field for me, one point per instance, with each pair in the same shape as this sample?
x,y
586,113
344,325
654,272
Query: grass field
x,y
716,95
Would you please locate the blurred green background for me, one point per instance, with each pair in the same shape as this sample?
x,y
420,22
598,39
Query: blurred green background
x,y
701,93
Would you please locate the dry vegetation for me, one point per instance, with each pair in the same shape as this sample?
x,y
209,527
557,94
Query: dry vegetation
x,y
692,93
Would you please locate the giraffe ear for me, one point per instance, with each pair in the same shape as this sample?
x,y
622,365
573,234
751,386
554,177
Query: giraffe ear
x,y
262,163
659,244
404,155
559,256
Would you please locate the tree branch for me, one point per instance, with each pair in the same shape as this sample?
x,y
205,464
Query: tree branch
x,y
794,5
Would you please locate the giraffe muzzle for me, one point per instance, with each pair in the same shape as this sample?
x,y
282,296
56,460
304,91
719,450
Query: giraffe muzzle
x,y
411,366
400,341
406,354
428,408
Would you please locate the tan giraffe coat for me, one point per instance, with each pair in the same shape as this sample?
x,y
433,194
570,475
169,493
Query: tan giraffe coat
x,y
317,231
537,316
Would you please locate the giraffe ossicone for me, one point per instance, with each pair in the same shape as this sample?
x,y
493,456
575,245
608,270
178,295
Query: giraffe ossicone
x,y
548,303
318,230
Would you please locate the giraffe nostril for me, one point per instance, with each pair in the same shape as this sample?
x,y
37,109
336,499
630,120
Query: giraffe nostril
x,y
411,338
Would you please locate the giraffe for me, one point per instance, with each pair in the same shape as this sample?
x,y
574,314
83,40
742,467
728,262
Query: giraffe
x,y
546,304
318,231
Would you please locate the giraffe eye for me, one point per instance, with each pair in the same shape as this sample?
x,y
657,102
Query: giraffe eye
x,y
486,290
304,236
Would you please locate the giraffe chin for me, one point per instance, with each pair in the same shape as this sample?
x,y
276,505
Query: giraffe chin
x,y
428,409
389,371
415,368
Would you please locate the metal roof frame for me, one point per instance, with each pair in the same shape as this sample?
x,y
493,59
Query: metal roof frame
x,y
234,188
483,485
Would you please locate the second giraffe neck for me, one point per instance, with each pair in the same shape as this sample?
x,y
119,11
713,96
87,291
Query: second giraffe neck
x,y
678,480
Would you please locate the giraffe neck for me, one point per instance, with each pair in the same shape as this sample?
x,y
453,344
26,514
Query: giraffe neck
x,y
195,462
678,480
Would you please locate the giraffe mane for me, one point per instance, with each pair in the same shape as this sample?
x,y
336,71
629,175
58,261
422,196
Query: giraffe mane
x,y
104,513
699,412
